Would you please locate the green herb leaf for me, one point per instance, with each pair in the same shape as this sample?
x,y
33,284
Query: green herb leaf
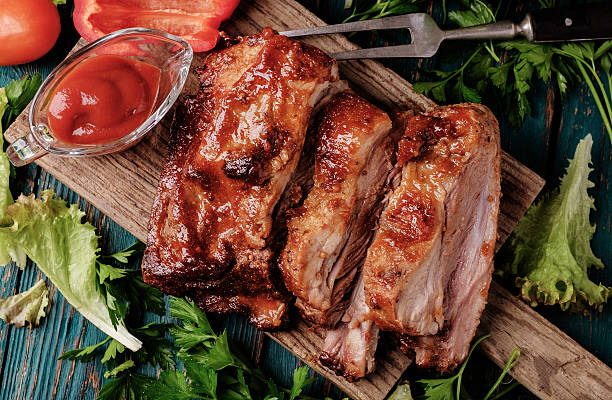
x,y
550,247
123,256
448,388
466,93
112,350
29,306
108,272
128,387
478,13
67,258
85,354
381,8
203,379
300,381
402,392
19,93
119,369
195,329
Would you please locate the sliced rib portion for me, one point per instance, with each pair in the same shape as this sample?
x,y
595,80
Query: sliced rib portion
x,y
349,349
328,234
234,146
429,268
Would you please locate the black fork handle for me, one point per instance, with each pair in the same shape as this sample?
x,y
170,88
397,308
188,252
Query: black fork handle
x,y
587,22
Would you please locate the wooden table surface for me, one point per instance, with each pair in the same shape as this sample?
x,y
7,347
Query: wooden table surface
x,y
28,358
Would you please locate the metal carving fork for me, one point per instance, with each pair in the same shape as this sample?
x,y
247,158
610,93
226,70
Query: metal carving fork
x,y
587,22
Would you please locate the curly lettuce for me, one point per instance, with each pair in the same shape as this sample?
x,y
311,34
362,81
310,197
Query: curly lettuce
x,y
29,306
65,249
550,247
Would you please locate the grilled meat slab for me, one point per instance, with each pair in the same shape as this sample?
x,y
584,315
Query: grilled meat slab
x,y
349,348
328,234
428,270
233,148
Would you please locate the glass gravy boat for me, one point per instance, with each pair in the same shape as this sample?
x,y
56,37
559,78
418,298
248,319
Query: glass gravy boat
x,y
171,54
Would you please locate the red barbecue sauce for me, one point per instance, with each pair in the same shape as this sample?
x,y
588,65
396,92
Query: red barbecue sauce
x,y
103,99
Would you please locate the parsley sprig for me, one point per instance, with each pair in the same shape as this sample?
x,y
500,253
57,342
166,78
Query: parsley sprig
x,y
210,368
450,388
503,74
123,287
365,9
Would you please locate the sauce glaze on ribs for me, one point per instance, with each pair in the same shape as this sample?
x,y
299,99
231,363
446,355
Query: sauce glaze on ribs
x,y
428,270
234,147
329,233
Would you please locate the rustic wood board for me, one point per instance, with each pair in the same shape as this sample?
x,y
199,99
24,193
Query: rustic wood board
x,y
123,186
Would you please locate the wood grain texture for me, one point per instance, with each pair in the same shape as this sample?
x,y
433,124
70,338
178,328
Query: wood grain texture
x,y
123,185
567,371
30,368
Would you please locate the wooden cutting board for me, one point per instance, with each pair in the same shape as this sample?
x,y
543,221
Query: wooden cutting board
x,y
123,186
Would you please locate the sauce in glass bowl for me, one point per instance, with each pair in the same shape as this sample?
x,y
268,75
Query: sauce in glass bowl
x,y
103,99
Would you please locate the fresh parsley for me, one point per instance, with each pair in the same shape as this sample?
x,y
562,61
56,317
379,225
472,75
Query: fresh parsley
x,y
123,287
16,96
503,74
365,9
450,388
210,368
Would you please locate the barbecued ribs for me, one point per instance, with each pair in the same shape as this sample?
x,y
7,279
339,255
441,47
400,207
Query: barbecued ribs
x,y
233,148
329,233
427,273
224,207
349,348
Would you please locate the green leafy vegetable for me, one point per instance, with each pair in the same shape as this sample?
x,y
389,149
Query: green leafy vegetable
x,y
450,388
364,9
123,287
504,73
6,198
29,306
13,99
3,108
17,96
550,250
211,369
584,56
65,249
300,380
401,392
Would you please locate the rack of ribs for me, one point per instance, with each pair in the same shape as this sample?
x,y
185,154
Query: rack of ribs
x,y
233,148
329,232
428,270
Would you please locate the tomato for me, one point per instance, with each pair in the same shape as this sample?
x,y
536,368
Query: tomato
x,y
28,30
197,21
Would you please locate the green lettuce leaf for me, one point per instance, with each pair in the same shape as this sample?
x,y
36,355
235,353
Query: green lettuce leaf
x,y
550,247
65,249
29,306
4,104
402,392
7,253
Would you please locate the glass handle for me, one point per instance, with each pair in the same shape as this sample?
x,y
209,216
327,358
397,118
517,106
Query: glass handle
x,y
24,150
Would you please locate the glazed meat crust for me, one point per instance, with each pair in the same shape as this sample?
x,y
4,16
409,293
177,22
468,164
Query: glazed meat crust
x,y
328,234
428,270
233,148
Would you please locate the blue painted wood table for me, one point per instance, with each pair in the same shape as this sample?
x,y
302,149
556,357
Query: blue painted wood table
x,y
28,358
